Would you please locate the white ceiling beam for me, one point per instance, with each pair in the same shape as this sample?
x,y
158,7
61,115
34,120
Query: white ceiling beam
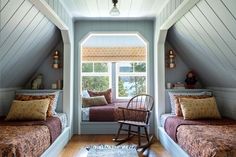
x,y
180,11
49,13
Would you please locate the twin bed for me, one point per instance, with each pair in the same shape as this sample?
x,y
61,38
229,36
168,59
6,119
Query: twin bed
x,y
34,138
208,137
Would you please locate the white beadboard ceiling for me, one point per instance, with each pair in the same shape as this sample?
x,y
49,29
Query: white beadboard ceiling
x,y
101,8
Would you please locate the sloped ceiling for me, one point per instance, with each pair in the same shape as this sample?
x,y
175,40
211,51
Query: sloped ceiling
x,y
26,39
205,38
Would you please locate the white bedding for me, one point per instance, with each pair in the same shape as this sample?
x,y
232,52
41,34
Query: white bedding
x,y
63,119
85,114
164,117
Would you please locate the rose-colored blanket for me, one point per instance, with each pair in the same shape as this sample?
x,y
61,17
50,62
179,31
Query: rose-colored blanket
x,y
27,138
106,113
203,138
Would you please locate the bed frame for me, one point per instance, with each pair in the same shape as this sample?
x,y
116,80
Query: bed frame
x,y
58,145
174,149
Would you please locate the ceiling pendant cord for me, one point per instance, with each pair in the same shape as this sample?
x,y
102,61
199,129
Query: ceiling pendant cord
x,y
114,11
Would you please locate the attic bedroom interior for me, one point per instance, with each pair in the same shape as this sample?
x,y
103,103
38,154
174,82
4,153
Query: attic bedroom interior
x,y
132,78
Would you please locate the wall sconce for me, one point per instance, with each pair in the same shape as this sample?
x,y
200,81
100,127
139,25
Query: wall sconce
x,y
171,59
56,60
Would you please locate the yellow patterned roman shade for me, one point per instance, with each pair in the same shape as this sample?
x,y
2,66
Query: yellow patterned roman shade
x,y
114,54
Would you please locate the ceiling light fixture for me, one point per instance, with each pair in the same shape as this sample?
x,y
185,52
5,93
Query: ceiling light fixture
x,y
114,11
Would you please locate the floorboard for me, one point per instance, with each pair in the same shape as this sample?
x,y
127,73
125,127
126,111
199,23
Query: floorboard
x,y
73,148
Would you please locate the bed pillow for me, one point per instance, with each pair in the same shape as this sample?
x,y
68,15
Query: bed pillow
x,y
94,101
199,108
28,110
178,110
50,111
106,94
172,99
37,96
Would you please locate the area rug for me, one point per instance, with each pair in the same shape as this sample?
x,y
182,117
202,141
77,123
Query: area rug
x,y
112,151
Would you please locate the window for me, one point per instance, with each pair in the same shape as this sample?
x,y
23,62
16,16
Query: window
x,y
132,79
96,76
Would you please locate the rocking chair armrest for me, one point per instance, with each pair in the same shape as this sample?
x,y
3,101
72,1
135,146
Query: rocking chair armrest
x,y
131,109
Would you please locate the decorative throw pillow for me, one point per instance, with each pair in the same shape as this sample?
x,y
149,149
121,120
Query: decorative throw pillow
x,y
50,111
28,110
172,100
199,108
178,110
55,100
107,94
94,101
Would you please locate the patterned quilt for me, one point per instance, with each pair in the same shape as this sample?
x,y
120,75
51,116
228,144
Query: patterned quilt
x,y
208,140
203,138
27,139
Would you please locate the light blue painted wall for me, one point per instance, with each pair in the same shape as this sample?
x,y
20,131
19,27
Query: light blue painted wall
x,y
177,74
50,75
83,27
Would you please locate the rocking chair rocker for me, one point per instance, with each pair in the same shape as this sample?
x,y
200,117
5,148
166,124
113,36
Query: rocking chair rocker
x,y
137,115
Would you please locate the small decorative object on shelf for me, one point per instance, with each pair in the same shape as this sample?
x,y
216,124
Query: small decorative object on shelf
x,y
56,60
191,80
37,83
179,85
59,84
54,86
171,59
169,85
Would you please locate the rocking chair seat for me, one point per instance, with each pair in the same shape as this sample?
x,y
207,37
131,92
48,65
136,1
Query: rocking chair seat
x,y
142,124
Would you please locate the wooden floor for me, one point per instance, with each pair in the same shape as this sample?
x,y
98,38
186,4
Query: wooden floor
x,y
74,147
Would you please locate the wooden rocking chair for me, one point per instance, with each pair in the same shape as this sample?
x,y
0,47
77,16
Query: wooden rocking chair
x,y
136,114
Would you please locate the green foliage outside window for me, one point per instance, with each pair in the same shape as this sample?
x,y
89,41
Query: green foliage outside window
x,y
87,67
96,83
100,67
122,92
139,67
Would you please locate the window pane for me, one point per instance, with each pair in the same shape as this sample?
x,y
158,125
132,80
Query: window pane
x,y
100,67
97,83
140,67
87,67
131,85
125,67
